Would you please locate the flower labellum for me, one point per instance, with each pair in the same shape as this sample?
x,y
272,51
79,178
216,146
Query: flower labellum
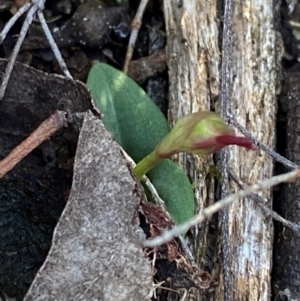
x,y
201,133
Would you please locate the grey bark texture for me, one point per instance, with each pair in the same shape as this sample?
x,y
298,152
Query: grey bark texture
x,y
193,35
96,252
193,58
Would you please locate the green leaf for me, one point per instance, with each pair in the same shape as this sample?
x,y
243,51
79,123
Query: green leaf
x,y
138,126
174,187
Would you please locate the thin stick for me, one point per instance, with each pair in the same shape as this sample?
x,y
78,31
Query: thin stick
x,y
209,211
269,151
47,128
260,202
154,193
13,20
135,27
53,45
16,50
35,7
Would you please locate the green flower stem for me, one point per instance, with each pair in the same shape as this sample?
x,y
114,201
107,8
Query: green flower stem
x,y
146,164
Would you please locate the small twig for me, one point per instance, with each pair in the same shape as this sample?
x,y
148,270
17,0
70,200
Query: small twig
x,y
135,27
13,20
47,128
155,286
185,295
16,50
209,211
260,202
225,108
268,150
36,6
53,45
154,193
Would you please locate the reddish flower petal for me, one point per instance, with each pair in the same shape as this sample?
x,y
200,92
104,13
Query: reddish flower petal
x,y
233,140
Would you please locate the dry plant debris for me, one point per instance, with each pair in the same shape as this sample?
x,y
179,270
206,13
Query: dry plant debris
x,y
135,27
48,127
172,266
33,8
209,211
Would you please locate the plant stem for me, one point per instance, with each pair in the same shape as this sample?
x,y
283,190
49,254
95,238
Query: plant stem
x,y
146,164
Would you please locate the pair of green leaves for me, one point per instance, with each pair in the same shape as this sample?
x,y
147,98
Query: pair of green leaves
x,y
138,126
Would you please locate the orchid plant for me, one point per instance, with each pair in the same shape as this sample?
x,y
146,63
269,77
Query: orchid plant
x,y
142,130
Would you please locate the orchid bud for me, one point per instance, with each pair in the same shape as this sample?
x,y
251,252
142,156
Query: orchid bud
x,y
200,133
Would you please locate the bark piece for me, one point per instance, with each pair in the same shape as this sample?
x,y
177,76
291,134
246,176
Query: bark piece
x,y
254,84
193,60
96,254
141,69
